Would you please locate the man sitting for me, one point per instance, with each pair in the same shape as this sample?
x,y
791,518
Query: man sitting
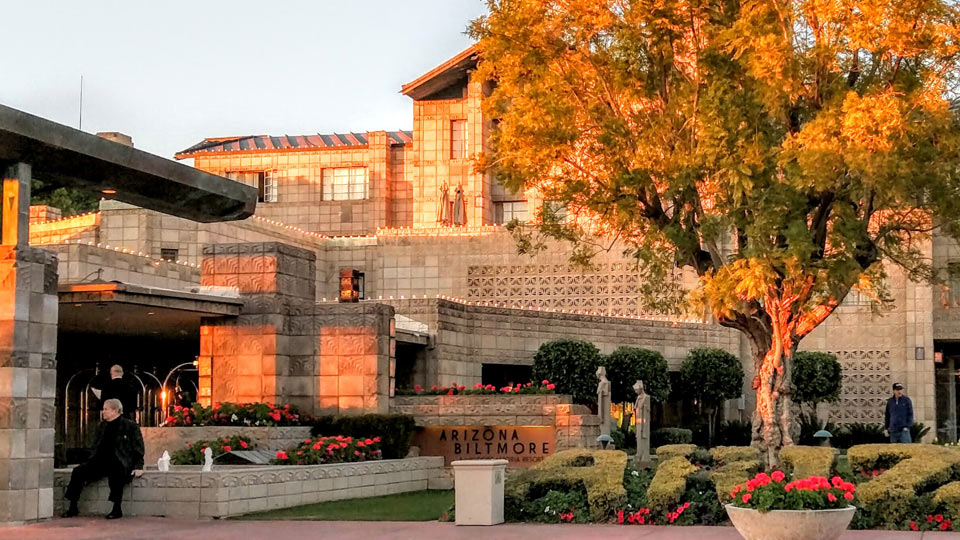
x,y
118,455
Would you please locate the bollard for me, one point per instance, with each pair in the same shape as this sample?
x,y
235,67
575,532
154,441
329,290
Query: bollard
x,y
479,491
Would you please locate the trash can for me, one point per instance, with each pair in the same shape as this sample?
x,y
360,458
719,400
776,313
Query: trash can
x,y
479,491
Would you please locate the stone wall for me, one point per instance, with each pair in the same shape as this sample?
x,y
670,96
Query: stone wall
x,y
80,262
186,493
576,426
171,439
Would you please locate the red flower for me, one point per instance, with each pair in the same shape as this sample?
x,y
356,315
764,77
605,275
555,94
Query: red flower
x,y
243,444
461,387
216,406
281,454
938,518
356,453
226,448
929,518
545,382
551,386
686,505
777,476
831,497
746,498
836,481
620,516
848,496
945,525
913,525
368,441
188,445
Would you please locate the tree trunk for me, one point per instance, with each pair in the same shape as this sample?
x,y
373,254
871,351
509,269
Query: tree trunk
x,y
773,416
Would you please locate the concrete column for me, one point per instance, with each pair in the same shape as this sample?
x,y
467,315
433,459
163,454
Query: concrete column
x,y
16,205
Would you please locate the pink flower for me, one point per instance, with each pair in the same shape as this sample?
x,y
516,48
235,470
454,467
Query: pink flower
x,y
746,498
243,444
545,382
551,386
913,526
831,497
848,496
226,448
777,476
281,454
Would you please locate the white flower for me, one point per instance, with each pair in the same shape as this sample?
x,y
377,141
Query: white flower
x,y
233,417
635,473
546,510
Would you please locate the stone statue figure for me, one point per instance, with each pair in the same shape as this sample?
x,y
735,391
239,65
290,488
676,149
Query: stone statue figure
x,y
603,401
641,411
207,460
459,207
443,211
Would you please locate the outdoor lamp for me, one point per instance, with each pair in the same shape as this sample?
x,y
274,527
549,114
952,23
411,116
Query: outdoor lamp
x,y
824,437
604,440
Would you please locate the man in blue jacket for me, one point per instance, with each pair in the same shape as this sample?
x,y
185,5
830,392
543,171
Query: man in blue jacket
x,y
898,417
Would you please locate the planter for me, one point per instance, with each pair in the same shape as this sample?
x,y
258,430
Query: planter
x,y
790,524
273,438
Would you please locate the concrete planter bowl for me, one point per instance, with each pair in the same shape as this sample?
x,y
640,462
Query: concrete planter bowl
x,y
790,524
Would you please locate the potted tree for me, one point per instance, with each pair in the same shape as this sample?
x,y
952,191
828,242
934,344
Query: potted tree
x,y
771,508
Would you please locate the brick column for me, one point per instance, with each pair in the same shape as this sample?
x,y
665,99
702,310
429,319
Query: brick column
x,y
267,354
28,345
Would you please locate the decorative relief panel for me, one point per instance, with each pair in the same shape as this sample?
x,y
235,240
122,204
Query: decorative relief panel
x,y
609,288
867,379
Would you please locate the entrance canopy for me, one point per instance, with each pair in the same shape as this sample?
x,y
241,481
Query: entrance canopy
x,y
69,157
112,308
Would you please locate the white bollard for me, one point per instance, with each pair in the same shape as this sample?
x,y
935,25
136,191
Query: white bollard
x,y
479,491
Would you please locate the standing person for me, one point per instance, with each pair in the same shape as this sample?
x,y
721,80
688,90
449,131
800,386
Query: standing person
x,y
118,388
898,417
117,454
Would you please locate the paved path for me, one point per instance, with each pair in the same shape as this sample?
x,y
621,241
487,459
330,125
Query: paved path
x,y
157,528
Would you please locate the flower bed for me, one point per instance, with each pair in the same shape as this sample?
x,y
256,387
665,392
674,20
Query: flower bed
x,y
192,453
158,439
237,414
333,449
479,389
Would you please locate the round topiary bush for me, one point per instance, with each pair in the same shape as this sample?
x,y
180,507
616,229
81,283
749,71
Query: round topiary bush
x,y
817,377
712,376
626,365
570,364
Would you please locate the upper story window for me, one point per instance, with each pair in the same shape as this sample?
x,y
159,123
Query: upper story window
x,y
458,139
265,181
507,211
345,184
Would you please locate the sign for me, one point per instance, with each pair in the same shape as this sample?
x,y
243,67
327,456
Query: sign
x,y
522,446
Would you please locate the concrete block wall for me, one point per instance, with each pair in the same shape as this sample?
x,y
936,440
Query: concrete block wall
x,y
80,262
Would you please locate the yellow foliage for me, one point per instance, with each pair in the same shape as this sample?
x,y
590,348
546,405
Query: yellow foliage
x,y
735,464
669,482
807,461
668,451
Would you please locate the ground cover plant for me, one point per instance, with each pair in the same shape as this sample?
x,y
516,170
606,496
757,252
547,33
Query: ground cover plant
x,y
237,414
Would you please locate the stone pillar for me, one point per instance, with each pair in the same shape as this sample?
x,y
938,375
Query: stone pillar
x,y
268,353
28,345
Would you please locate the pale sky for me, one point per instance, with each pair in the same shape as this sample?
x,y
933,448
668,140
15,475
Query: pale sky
x,y
172,72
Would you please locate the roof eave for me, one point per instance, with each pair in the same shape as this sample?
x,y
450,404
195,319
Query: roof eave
x,y
419,87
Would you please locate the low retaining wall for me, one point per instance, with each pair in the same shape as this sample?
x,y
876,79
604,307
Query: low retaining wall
x,y
185,492
158,439
574,425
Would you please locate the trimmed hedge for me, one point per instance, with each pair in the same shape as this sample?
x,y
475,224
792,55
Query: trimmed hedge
x,y
948,496
598,472
912,469
665,436
395,430
668,484
675,450
807,461
734,465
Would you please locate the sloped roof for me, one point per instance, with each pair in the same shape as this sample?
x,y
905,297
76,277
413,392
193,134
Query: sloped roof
x,y
443,75
258,143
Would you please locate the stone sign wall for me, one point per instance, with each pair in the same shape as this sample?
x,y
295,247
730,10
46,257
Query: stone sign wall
x,y
522,446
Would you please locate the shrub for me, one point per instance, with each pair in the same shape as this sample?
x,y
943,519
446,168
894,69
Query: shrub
x,y
705,507
674,450
734,465
636,482
626,365
394,430
572,366
712,376
858,433
598,472
806,461
767,492
816,378
237,414
625,439
948,496
558,507
334,449
664,436
918,431
192,453
670,481
734,433
912,469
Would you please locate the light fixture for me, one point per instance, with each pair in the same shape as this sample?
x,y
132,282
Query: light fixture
x,y
108,191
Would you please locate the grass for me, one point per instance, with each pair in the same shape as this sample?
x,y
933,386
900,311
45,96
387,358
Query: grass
x,y
414,506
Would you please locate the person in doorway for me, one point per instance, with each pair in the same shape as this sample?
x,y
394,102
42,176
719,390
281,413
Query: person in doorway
x,y
117,454
898,417
118,388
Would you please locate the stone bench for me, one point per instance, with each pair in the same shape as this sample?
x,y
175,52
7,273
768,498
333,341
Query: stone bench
x,y
186,492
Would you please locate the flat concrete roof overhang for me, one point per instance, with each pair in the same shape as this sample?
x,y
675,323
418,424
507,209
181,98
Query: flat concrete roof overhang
x,y
113,308
69,157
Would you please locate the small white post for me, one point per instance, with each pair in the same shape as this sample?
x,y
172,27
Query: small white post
x,y
479,491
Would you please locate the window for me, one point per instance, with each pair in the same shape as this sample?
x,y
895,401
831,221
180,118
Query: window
x,y
345,184
507,211
169,254
265,181
458,139
857,298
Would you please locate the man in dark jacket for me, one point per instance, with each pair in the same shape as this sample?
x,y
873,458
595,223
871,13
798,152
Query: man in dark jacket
x,y
898,417
118,388
118,455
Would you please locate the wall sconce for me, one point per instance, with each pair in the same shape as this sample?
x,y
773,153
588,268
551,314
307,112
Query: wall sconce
x,y
919,353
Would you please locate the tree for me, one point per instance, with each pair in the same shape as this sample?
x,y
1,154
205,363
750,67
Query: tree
x,y
817,377
711,376
70,201
626,365
570,364
782,150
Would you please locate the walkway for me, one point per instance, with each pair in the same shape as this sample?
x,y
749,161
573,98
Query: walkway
x,y
160,528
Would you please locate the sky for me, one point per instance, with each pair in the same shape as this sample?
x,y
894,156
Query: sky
x,y
173,72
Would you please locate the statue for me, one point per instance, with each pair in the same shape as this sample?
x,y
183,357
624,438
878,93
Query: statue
x,y
603,401
641,411
207,460
163,464
459,207
443,211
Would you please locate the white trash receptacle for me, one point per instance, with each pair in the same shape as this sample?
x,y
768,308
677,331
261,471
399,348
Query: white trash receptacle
x,y
479,491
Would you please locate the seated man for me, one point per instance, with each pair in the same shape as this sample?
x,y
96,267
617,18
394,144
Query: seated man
x,y
118,455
